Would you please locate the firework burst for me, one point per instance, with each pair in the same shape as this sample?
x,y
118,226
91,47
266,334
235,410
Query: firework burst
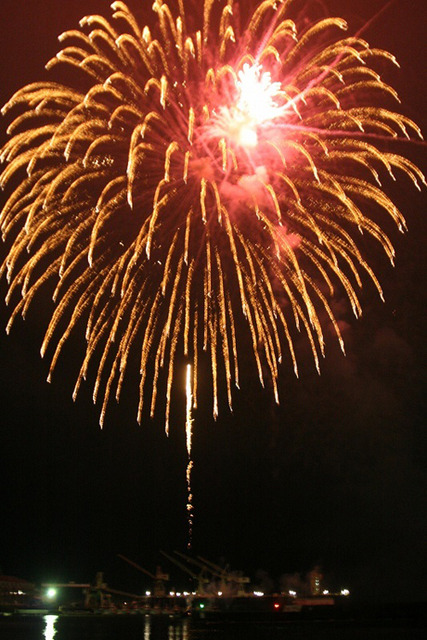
x,y
219,167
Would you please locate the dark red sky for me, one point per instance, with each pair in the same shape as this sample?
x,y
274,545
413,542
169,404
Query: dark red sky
x,y
336,475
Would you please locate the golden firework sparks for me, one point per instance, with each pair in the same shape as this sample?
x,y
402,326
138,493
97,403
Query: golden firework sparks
x,y
219,170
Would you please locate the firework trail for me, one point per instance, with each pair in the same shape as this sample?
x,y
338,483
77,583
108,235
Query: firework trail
x,y
213,168
189,442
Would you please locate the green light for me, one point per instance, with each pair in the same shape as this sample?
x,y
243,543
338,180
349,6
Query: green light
x,y
51,593
202,606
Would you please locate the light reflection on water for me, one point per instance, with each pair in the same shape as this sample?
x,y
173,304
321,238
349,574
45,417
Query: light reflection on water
x,y
50,628
178,632
175,631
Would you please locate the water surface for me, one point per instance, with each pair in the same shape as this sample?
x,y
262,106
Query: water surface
x,y
140,627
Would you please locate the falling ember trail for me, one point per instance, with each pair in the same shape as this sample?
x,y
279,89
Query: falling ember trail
x,y
189,435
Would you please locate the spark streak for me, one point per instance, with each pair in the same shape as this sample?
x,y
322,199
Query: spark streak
x,y
189,436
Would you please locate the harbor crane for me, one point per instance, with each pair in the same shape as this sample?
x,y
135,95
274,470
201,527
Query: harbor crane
x,y
228,581
159,578
229,577
201,578
96,595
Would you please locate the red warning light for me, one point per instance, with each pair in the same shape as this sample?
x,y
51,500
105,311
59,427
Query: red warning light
x,y
276,605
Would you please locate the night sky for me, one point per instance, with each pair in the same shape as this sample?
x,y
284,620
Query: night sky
x,y
335,476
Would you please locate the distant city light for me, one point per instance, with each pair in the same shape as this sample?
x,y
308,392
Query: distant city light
x,y
148,593
258,593
292,593
325,592
345,592
220,593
